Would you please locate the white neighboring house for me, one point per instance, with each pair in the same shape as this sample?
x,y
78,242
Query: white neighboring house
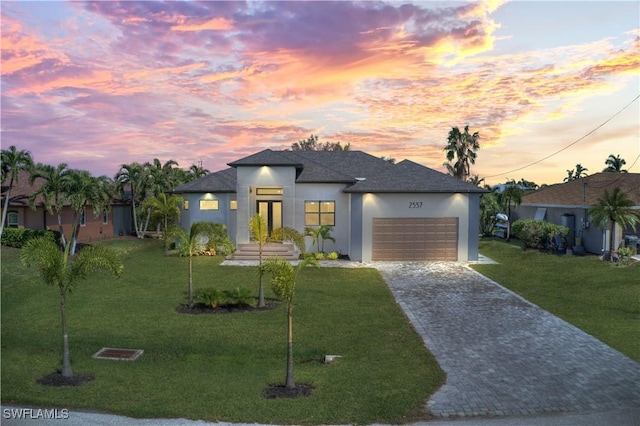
x,y
377,210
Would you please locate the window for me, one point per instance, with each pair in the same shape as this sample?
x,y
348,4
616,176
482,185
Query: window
x,y
105,217
83,218
233,205
208,204
12,220
318,213
269,191
185,204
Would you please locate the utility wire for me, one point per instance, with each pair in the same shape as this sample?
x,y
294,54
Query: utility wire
x,y
568,146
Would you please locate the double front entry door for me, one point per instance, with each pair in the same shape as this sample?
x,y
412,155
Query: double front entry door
x,y
271,212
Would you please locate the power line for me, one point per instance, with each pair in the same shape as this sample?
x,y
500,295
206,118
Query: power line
x,y
568,146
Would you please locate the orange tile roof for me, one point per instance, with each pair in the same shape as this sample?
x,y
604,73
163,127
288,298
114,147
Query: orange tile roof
x,y
586,191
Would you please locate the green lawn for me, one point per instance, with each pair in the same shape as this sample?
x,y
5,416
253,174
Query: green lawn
x,y
214,367
595,296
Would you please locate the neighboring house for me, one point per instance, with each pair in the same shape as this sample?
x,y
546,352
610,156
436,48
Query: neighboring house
x,y
111,223
377,210
568,204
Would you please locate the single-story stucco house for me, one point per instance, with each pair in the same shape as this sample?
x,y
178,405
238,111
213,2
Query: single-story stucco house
x,y
377,210
568,204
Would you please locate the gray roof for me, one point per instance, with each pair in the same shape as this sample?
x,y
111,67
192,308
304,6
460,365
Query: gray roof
x,y
361,171
222,181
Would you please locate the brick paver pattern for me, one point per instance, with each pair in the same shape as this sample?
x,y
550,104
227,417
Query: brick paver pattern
x,y
502,354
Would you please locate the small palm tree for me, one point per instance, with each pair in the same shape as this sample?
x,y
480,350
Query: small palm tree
x,y
57,270
260,234
319,235
165,209
510,197
189,245
12,162
283,284
612,208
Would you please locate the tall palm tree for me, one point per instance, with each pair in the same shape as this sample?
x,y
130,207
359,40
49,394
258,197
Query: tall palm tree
x,y
51,191
614,164
612,208
57,270
283,284
462,147
135,178
189,245
577,173
198,171
12,162
82,190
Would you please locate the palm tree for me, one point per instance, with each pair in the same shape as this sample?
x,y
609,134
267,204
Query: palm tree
x,y
462,147
260,234
189,245
615,164
319,235
165,209
51,191
489,208
82,190
13,161
283,284
612,208
510,196
198,171
576,173
57,270
136,178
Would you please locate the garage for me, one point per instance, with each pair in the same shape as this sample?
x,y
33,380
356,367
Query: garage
x,y
417,238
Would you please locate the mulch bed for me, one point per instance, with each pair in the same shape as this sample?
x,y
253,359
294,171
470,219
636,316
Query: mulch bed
x,y
201,308
57,379
301,390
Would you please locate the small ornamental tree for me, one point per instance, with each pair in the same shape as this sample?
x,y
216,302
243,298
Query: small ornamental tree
x,y
283,284
260,234
200,235
57,269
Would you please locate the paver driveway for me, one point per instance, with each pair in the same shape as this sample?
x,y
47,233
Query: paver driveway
x,y
502,354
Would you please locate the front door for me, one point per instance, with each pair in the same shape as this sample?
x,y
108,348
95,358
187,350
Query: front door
x,y
271,212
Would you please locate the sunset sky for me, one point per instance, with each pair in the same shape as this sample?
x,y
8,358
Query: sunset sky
x,y
99,84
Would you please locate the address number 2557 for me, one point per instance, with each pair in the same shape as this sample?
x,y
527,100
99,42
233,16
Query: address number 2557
x,y
415,204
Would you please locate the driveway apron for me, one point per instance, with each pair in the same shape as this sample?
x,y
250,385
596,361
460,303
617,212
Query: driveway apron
x,y
502,354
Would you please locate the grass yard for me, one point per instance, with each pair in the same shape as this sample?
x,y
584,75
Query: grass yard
x,y
214,367
595,296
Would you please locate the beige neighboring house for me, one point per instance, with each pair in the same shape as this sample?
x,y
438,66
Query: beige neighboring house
x,y
568,204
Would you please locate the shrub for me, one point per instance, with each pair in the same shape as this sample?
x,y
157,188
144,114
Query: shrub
x,y
239,296
211,297
333,255
17,237
537,233
319,255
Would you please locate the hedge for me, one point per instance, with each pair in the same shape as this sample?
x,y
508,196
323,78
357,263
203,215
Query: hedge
x,y
17,237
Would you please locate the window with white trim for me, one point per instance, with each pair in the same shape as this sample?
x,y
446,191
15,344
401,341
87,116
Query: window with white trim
x,y
12,220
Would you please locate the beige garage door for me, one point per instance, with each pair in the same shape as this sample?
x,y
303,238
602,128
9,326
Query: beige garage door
x,y
419,238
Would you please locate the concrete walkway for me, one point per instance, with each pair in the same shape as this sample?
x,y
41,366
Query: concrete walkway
x,y
503,355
